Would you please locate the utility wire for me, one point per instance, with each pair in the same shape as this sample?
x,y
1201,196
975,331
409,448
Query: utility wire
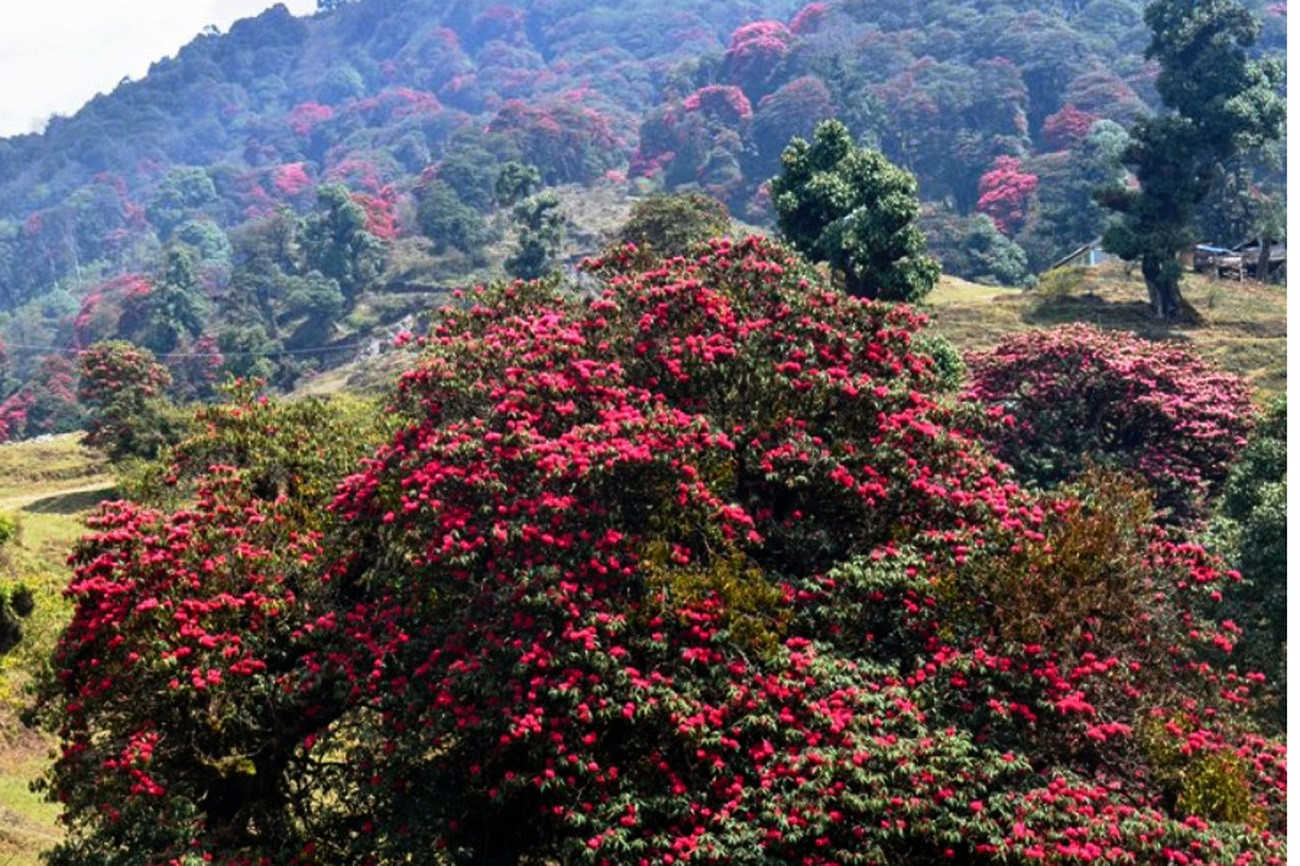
x,y
273,353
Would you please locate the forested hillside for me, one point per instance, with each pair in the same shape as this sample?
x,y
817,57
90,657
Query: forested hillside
x,y
263,201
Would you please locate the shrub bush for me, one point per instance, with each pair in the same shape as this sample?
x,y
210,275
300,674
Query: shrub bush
x,y
1078,393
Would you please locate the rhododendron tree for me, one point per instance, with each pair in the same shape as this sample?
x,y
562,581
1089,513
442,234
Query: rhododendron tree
x,y
792,111
306,116
755,56
1067,127
720,103
1005,194
569,141
45,404
695,567
1077,394
183,696
123,390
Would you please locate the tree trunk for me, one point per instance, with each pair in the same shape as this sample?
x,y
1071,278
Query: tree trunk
x,y
1162,274
1265,253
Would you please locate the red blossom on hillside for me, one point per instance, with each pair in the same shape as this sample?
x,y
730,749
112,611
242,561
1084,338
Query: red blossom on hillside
x,y
755,54
727,105
1005,193
1067,127
809,19
699,565
306,116
1079,393
381,214
291,180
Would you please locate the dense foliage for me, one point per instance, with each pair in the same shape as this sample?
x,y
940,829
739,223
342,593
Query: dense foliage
x,y
121,387
415,107
698,567
666,225
848,206
1251,529
1077,395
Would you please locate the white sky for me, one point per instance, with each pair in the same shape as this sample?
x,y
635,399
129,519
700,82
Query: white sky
x,y
55,55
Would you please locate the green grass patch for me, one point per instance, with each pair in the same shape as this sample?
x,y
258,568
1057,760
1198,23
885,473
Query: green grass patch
x,y
1239,325
28,824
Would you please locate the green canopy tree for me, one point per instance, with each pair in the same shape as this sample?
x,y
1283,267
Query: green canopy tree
x,y
1220,103
176,307
540,222
337,244
515,182
849,206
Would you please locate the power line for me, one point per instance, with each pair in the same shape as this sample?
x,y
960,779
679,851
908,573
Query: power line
x,y
273,353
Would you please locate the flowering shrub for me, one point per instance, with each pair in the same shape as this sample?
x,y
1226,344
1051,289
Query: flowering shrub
x,y
696,568
1078,393
184,696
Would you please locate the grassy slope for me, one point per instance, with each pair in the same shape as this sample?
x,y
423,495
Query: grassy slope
x,y
1242,326
50,485
53,484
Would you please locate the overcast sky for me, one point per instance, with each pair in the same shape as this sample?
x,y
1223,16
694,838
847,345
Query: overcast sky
x,y
57,54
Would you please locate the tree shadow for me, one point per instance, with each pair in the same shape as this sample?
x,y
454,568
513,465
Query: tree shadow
x,y
1127,315
72,503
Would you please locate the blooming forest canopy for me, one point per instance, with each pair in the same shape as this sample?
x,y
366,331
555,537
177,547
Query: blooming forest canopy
x,y
702,566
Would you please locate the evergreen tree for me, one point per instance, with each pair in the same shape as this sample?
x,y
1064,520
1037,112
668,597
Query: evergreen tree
x,y
336,243
849,206
1220,103
541,236
176,306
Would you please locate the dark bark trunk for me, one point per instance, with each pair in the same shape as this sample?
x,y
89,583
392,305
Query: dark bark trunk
x,y
1162,274
1265,253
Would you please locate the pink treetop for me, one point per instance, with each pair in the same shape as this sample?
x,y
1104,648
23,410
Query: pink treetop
x,y
756,30
1005,193
306,116
721,102
291,179
1067,127
809,19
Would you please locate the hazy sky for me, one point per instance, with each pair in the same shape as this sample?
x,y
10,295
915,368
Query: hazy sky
x,y
57,54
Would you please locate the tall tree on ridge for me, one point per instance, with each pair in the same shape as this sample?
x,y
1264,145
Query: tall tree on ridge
x,y
1220,103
